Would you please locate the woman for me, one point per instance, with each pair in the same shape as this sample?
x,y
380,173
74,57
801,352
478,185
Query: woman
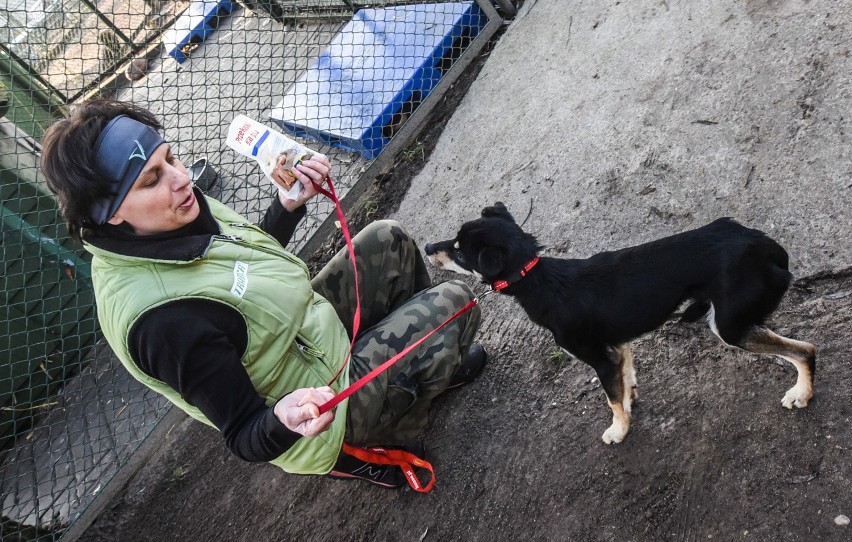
x,y
214,314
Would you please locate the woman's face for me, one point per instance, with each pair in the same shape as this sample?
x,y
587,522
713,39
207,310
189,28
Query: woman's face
x,y
161,199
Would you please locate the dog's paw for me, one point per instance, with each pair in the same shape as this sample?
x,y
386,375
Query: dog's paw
x,y
797,396
615,434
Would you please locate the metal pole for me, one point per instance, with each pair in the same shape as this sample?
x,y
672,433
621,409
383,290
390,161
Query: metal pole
x,y
19,69
11,221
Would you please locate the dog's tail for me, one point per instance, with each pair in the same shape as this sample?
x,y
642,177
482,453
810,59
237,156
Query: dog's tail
x,y
697,309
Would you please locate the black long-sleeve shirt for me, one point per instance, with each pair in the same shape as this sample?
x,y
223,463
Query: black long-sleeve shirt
x,y
195,346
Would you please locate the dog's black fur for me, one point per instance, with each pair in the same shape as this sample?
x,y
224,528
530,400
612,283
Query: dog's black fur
x,y
595,307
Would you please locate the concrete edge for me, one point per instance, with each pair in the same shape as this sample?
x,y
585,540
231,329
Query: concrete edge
x,y
150,444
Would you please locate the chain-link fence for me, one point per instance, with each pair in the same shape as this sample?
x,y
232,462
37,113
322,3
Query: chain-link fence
x,y
350,80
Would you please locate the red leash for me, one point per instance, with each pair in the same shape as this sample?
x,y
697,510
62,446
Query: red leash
x,y
342,396
404,460
356,320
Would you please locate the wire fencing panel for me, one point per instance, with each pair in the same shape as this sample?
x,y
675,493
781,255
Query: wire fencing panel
x,y
341,79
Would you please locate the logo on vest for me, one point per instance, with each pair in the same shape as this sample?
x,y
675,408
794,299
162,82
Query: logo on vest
x,y
240,279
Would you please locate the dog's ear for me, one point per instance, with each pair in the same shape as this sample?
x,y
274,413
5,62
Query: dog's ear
x,y
498,210
490,262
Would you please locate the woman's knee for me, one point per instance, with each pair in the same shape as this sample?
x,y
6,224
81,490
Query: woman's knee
x,y
383,235
384,231
382,239
456,294
459,289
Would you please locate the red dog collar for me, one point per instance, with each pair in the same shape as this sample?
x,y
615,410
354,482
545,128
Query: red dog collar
x,y
501,284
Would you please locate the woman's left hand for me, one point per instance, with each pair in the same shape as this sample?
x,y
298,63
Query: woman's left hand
x,y
316,169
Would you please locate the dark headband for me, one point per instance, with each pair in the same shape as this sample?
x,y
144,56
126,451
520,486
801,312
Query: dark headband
x,y
122,150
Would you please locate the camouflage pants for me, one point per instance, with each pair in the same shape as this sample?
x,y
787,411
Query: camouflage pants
x,y
398,306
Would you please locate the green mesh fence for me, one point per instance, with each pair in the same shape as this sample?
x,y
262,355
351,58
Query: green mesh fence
x,y
349,80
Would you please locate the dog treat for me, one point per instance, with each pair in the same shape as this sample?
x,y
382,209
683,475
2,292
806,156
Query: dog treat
x,y
255,140
291,160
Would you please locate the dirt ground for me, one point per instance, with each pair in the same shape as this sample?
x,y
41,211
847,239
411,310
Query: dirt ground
x,y
711,454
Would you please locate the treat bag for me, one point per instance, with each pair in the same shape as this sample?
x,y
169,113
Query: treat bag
x,y
270,148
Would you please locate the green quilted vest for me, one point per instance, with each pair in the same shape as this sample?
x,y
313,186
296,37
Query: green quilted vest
x,y
295,339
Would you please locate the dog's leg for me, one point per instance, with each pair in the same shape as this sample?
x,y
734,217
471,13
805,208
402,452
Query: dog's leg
x,y
618,378
629,372
801,354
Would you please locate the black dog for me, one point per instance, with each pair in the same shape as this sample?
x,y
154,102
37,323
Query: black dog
x,y
734,275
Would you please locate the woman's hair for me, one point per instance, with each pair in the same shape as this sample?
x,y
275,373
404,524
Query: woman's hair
x,y
68,159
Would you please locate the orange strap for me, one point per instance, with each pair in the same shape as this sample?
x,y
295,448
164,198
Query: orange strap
x,y
404,460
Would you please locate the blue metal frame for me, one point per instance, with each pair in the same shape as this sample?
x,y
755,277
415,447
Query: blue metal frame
x,y
378,62
195,25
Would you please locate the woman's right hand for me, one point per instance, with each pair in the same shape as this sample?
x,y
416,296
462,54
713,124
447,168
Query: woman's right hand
x,y
299,410
314,170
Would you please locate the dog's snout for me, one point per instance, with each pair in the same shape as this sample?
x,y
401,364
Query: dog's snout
x,y
429,248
